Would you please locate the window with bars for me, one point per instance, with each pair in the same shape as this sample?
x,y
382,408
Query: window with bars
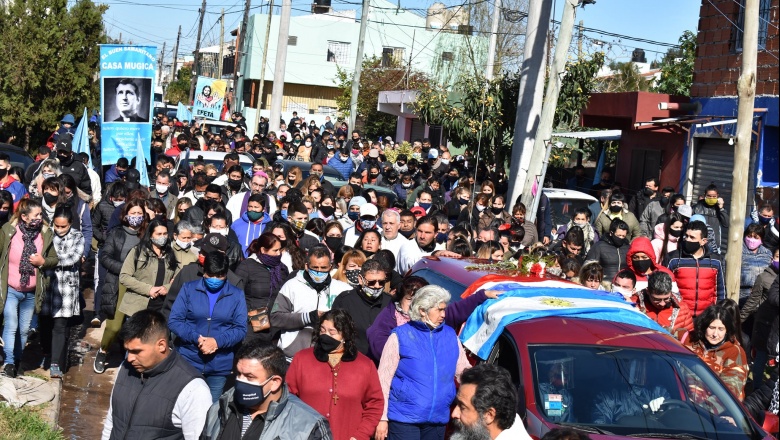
x,y
764,8
338,52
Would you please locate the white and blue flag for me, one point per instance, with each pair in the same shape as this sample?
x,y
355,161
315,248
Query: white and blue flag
x,y
81,137
529,300
183,113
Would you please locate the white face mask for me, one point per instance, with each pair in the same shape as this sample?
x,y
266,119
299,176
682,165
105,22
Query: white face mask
x,y
219,231
161,189
183,245
118,203
308,144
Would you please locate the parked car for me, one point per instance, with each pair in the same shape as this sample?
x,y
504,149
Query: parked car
x,y
19,156
215,158
571,371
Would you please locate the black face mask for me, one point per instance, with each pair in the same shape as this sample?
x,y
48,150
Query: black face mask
x,y
648,192
327,211
615,209
234,184
496,211
642,266
50,199
675,233
407,234
328,343
691,247
65,159
619,242
3,173
664,200
334,243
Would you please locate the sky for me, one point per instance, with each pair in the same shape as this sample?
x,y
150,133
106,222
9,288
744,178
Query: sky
x,y
148,22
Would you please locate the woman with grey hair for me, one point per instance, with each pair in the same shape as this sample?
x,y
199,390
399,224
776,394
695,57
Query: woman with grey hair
x,y
418,363
184,234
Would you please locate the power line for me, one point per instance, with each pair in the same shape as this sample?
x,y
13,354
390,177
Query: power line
x,y
760,46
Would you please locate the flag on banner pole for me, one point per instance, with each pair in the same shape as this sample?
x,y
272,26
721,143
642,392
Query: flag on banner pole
x,y
182,113
140,164
529,300
600,166
81,138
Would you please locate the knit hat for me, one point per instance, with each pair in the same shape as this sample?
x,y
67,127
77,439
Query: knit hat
x,y
685,211
357,201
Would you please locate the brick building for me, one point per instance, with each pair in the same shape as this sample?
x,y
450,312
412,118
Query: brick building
x,y
709,150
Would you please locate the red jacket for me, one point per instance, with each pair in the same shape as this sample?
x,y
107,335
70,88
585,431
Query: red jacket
x,y
700,280
643,244
674,317
351,400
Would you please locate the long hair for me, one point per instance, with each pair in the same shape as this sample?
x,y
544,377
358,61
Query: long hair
x,y
356,256
673,218
296,253
711,313
146,246
133,203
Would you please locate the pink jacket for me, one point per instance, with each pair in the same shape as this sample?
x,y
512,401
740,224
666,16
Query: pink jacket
x,y
658,242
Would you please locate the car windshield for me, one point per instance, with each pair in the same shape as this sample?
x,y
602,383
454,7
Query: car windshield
x,y
631,392
562,209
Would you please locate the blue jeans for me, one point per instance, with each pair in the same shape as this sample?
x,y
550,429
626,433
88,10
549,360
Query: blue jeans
x,y
216,386
18,313
421,431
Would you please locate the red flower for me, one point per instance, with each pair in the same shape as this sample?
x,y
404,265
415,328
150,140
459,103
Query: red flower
x,y
536,269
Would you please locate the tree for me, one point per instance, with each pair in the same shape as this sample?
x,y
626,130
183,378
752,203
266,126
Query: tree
x,y
375,78
53,56
626,78
179,90
677,67
510,39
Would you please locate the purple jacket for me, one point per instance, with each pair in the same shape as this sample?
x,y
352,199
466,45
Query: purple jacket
x,y
456,315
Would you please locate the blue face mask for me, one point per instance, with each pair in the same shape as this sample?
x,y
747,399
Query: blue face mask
x,y
213,284
284,214
317,276
425,206
354,216
441,237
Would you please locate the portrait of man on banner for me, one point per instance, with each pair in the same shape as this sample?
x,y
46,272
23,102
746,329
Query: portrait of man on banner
x,y
126,99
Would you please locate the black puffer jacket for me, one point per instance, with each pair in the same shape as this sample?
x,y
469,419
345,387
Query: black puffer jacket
x,y
112,256
100,218
257,292
609,256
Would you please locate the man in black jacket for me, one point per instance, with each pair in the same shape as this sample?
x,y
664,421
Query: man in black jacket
x,y
73,167
643,198
366,301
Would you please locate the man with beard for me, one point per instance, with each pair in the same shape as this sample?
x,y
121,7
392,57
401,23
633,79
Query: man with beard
x,y
485,407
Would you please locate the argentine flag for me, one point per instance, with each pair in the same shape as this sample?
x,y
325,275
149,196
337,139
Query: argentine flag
x,y
528,300
183,113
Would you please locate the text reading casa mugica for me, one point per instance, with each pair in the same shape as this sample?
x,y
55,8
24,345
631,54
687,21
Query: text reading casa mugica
x,y
127,65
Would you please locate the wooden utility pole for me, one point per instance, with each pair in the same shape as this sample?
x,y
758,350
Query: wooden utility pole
x,y
160,65
358,65
579,41
238,77
262,67
176,56
542,142
221,43
529,102
277,92
746,90
194,79
491,61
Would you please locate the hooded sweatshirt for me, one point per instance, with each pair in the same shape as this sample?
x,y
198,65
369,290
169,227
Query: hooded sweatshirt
x,y
247,231
642,244
658,242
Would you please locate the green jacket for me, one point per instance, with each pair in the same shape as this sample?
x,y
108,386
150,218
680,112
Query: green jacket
x,y
7,233
603,221
138,278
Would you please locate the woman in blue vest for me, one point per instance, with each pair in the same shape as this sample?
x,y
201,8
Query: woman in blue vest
x,y
419,362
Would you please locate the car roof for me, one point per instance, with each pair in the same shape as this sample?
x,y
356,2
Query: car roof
x,y
560,193
582,331
215,155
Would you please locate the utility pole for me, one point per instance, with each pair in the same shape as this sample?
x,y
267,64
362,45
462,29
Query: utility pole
x,y
277,93
221,43
579,41
238,81
529,102
537,168
194,79
160,65
176,56
746,90
358,65
491,61
262,67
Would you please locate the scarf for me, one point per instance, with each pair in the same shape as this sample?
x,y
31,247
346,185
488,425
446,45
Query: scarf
x,y
47,210
26,269
276,268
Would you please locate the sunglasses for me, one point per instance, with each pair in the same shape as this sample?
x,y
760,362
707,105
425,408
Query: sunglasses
x,y
376,283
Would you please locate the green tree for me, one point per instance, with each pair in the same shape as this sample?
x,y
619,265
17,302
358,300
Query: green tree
x,y
677,67
375,78
626,78
179,90
53,56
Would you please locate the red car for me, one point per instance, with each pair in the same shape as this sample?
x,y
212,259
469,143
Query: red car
x,y
609,379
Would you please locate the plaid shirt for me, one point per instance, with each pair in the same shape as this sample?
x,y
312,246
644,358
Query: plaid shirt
x,y
62,299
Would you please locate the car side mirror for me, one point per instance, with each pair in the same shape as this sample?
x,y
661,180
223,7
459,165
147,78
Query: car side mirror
x,y
771,423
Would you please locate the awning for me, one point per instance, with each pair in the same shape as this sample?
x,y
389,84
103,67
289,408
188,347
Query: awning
x,y
599,135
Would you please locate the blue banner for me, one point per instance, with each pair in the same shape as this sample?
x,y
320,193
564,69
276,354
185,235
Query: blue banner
x,y
127,75
183,113
209,96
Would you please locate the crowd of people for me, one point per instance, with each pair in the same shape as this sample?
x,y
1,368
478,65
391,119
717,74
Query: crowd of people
x,y
275,300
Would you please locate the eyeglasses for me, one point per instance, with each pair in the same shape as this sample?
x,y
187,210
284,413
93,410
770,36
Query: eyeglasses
x,y
657,300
